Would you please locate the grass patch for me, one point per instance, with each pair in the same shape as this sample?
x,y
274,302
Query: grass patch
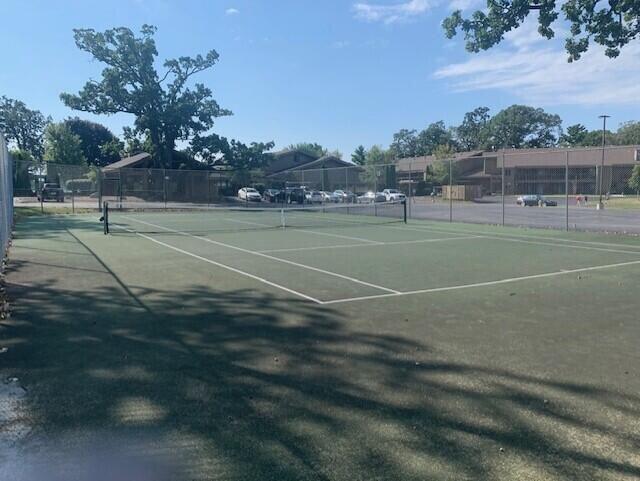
x,y
22,212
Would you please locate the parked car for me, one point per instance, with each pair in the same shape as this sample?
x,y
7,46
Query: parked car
x,y
330,196
51,191
273,195
370,197
393,194
313,197
294,195
345,196
535,200
249,194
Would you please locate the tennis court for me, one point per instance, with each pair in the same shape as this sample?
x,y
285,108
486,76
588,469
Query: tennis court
x,y
341,346
350,254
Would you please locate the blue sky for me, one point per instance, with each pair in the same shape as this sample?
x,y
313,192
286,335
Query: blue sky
x,y
337,72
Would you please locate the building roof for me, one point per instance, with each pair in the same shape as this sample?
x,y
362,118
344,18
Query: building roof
x,y
290,160
552,157
128,162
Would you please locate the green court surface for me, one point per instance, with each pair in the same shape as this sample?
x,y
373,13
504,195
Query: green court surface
x,y
339,350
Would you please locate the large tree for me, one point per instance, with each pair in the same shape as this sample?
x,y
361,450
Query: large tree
x,y
575,135
474,132
63,146
593,138
310,148
22,126
405,144
434,135
167,108
99,146
628,133
610,23
520,126
240,158
359,155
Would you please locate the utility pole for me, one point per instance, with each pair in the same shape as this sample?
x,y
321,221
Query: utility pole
x,y
604,118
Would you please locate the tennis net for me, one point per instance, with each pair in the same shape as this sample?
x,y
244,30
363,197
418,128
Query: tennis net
x,y
201,219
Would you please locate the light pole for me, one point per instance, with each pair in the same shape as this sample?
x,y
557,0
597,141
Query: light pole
x,y
604,118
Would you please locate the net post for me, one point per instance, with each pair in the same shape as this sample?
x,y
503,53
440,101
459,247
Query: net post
x,y
73,200
282,219
105,218
404,211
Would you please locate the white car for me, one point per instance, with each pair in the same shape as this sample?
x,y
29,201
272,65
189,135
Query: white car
x,y
330,196
249,194
393,194
344,196
313,197
371,197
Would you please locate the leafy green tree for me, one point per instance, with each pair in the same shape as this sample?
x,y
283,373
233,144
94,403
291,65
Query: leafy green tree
x,y
521,126
444,151
99,146
310,148
475,131
378,169
634,180
241,158
22,126
574,136
62,146
434,135
593,138
612,24
628,133
438,172
167,107
23,155
359,155
405,144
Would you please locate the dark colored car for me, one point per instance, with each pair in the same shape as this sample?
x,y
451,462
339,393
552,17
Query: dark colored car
x,y
273,195
51,191
535,200
294,195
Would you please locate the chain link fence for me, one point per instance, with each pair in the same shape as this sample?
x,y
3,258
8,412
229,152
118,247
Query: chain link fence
x,y
573,189
6,201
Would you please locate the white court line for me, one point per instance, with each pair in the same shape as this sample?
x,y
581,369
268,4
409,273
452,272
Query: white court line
x,y
266,256
307,231
345,246
500,236
484,284
559,239
224,266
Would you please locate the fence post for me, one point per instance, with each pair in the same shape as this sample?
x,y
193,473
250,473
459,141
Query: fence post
x,y
450,190
99,180
120,188
164,187
566,189
410,189
73,199
503,204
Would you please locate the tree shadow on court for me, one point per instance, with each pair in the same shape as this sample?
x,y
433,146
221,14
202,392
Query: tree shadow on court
x,y
250,385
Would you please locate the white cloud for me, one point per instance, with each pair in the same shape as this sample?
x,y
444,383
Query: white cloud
x,y
231,11
392,13
341,44
536,70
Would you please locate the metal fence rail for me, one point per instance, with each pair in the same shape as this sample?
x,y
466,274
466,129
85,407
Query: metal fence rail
x,y
6,198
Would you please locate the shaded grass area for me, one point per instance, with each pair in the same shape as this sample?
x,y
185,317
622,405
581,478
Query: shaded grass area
x,y
240,382
21,212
